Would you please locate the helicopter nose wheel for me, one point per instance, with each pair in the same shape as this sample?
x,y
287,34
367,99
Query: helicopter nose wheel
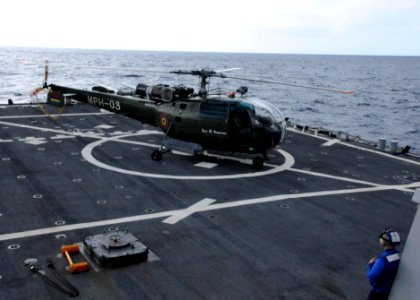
x,y
157,155
258,162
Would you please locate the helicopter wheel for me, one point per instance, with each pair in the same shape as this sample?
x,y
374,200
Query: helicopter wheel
x,y
156,155
258,162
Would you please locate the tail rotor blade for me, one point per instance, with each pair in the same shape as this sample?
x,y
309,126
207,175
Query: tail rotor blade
x,y
46,74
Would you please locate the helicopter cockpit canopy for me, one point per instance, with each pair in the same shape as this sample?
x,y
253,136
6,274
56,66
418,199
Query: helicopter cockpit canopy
x,y
266,115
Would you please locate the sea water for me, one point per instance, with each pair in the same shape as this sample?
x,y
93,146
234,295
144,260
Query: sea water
x,y
386,90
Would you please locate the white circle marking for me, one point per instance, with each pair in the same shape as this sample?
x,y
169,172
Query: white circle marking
x,y
87,155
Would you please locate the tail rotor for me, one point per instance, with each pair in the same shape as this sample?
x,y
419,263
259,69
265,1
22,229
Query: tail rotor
x,y
38,90
61,100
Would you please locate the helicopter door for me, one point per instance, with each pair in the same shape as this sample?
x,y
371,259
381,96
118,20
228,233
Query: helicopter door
x,y
214,116
240,125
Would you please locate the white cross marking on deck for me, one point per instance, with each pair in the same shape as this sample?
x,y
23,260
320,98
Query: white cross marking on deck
x,y
62,136
182,214
33,140
330,143
203,205
104,126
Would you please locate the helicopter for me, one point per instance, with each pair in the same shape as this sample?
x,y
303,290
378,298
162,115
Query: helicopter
x,y
232,123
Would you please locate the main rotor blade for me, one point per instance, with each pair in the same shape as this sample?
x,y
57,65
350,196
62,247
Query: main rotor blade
x,y
210,73
294,85
127,85
227,70
120,69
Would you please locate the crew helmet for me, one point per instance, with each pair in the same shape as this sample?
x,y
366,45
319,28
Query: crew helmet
x,y
390,236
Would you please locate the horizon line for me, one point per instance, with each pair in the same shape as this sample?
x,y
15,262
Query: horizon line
x,y
205,51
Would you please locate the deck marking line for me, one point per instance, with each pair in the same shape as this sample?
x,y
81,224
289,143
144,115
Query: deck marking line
x,y
312,173
74,133
85,135
54,115
205,165
87,155
182,214
166,214
360,148
309,195
330,143
6,141
62,136
56,229
289,161
343,178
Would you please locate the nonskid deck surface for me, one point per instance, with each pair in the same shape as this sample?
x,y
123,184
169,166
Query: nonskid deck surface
x,y
303,227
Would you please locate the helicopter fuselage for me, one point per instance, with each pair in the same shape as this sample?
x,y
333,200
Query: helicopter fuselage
x,y
215,122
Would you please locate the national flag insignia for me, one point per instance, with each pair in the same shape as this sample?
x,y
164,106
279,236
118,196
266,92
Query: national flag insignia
x,y
164,124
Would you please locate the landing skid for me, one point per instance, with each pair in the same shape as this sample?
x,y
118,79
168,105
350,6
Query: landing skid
x,y
169,144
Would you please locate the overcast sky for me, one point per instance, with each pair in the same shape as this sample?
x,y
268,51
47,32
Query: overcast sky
x,y
371,27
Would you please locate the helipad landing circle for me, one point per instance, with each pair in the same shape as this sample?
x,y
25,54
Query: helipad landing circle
x,y
87,155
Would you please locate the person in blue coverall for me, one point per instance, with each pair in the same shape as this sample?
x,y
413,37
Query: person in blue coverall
x,y
383,269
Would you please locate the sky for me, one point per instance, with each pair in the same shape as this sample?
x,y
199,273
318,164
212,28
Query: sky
x,y
347,27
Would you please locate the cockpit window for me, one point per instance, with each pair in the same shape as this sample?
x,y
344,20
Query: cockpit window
x,y
214,110
266,112
266,115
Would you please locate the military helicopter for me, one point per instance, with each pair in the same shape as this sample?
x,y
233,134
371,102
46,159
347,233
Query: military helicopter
x,y
210,121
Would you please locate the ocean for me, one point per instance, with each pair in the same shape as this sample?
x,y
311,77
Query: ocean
x,y
386,90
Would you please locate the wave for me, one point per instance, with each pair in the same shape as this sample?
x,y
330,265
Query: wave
x,y
131,76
